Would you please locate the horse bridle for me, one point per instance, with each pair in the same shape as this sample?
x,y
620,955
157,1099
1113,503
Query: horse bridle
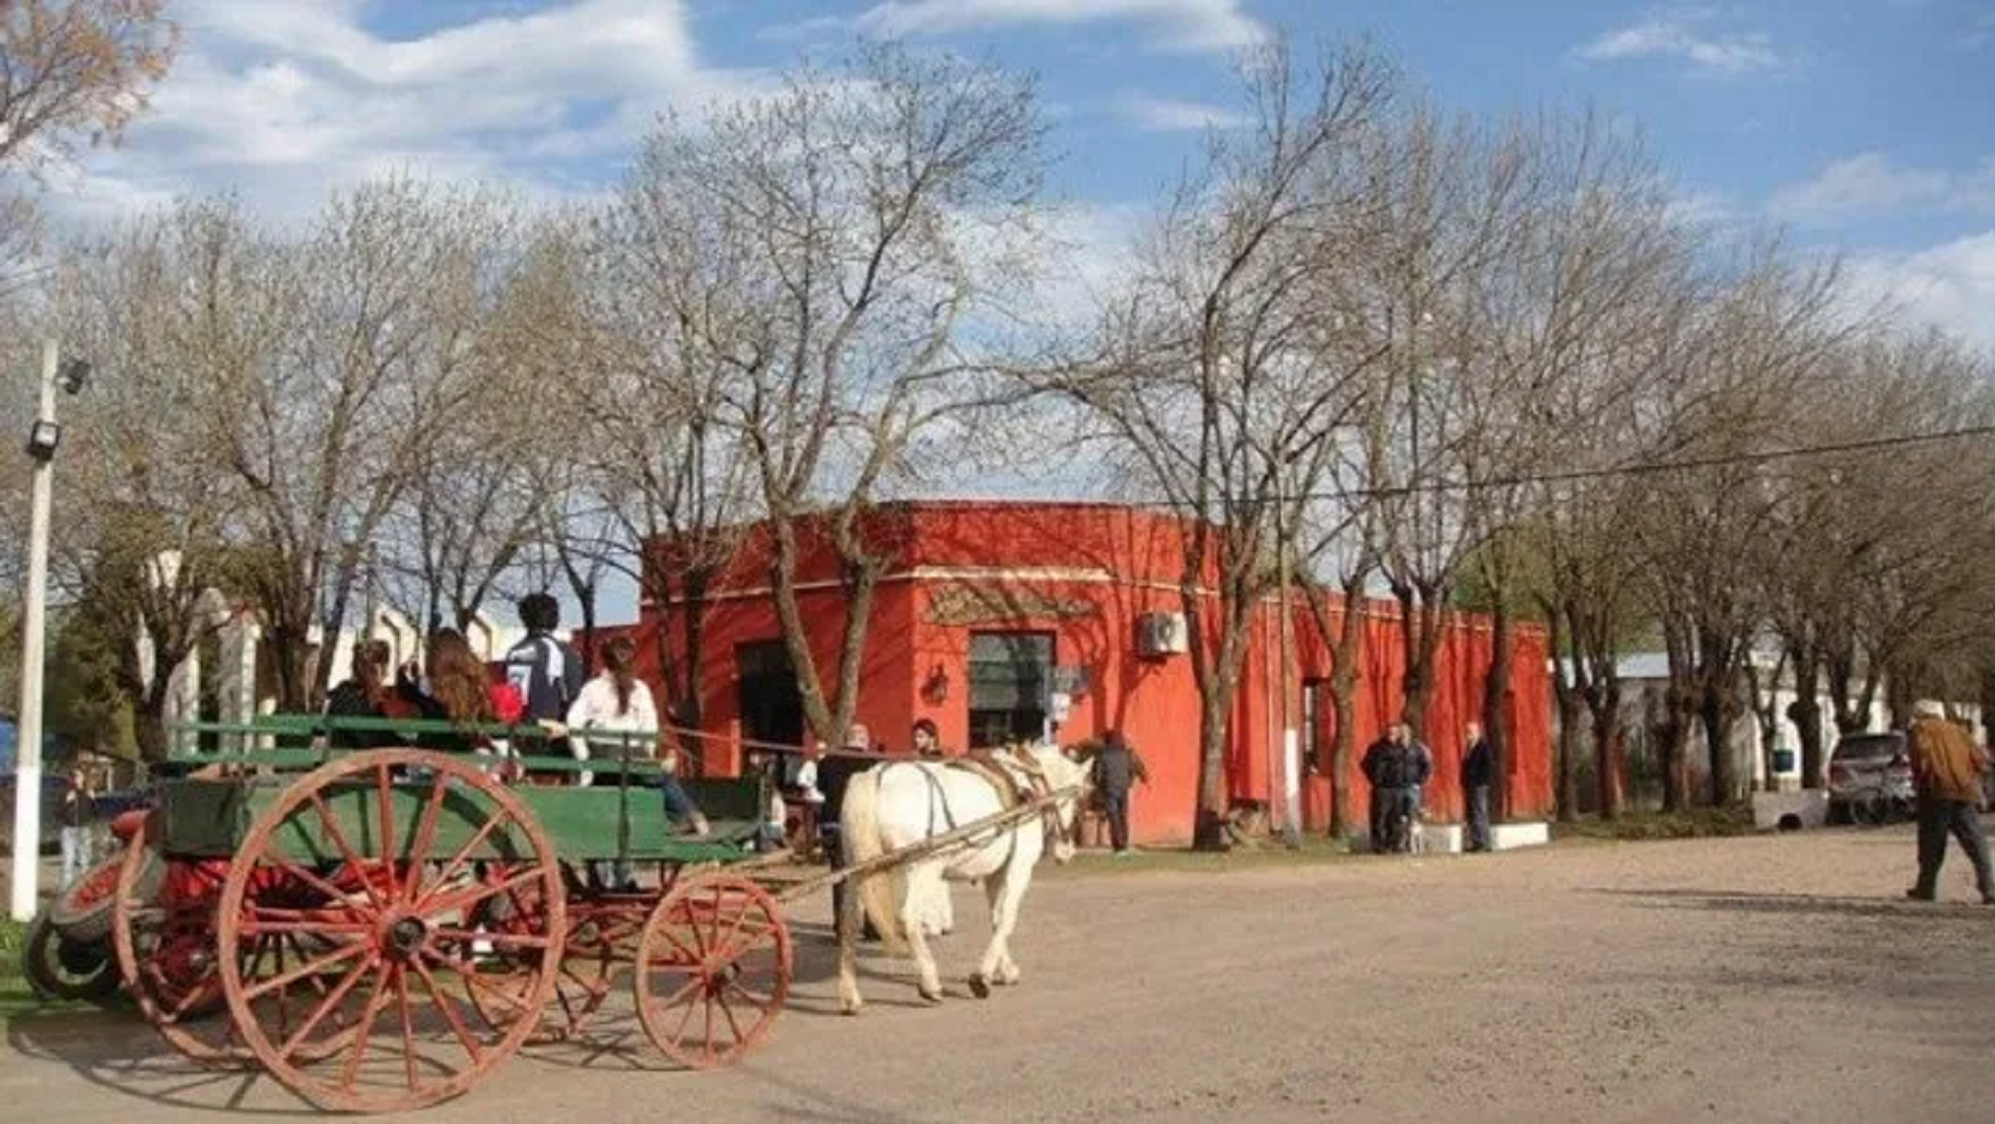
x,y
1042,787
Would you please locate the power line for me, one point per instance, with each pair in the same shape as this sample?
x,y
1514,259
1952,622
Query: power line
x,y
1649,468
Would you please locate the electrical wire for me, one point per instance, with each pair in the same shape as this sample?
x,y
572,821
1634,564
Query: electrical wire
x,y
1648,468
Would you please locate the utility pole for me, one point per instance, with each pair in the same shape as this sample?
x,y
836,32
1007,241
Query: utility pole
x,y
28,764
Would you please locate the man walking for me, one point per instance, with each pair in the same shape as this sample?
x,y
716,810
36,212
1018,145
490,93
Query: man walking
x,y
1478,771
1116,767
1946,771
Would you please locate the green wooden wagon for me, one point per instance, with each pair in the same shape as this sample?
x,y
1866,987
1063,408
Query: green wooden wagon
x,y
380,928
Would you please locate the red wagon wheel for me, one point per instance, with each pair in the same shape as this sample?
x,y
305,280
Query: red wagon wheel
x,y
378,882
713,970
601,945
163,931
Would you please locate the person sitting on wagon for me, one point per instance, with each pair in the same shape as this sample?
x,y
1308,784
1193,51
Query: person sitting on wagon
x,y
367,693
617,701
455,689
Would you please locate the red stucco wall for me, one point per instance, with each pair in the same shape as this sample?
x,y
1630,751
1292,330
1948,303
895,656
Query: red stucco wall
x,y
1101,567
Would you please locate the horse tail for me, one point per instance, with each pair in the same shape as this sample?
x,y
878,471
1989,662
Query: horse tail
x,y
875,895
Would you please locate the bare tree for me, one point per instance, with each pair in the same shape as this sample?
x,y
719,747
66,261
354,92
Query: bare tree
x,y
1757,340
323,425
851,225
145,539
479,482
77,68
1232,364
1452,196
675,327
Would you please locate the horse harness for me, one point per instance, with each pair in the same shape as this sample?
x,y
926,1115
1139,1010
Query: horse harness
x,y
1011,773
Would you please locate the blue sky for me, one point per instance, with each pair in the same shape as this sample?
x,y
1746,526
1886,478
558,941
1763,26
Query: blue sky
x,y
1863,125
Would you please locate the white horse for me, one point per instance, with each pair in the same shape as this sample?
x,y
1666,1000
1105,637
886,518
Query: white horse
x,y
899,803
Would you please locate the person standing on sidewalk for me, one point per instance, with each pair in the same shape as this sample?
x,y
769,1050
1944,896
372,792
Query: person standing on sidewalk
x,y
77,813
1478,772
1946,772
1116,768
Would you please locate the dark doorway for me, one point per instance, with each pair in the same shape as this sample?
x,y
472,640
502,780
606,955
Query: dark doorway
x,y
772,709
1010,683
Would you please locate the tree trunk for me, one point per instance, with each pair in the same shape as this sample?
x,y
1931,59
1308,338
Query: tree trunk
x,y
1679,716
1343,693
1571,709
1604,708
1715,711
1806,713
1209,830
826,717
1495,708
1420,619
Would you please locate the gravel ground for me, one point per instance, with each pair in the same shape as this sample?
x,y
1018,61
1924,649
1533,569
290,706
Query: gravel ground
x,y
1774,978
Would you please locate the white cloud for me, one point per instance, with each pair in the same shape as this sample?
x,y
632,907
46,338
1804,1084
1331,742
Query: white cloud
x,y
1870,182
1162,115
281,99
1177,25
1703,208
1982,33
1951,286
1687,35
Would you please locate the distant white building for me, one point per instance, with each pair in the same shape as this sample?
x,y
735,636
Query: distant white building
x,y
1644,680
240,687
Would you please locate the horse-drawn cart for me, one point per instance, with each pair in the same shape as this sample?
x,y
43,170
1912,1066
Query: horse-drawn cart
x,y
378,929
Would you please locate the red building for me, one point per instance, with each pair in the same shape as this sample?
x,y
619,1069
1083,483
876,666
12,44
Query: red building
x,y
997,619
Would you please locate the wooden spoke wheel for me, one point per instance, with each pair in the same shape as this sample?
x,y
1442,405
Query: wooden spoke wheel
x,y
163,934
370,887
713,970
600,945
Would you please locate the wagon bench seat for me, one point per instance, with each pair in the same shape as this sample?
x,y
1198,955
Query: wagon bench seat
x,y
211,818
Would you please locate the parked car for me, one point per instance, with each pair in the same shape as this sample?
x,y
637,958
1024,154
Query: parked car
x,y
1870,778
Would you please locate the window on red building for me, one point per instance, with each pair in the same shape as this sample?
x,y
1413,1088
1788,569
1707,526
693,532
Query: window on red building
x,y
1010,683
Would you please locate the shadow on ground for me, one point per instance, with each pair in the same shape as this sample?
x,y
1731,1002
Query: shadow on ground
x,y
1736,901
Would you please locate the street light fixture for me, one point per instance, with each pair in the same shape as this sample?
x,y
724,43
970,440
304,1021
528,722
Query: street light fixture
x,y
43,437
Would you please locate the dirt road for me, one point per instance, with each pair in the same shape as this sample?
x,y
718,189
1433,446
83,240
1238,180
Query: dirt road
x,y
1766,979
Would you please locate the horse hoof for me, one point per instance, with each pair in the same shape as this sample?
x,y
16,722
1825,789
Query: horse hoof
x,y
932,998
980,988
851,1009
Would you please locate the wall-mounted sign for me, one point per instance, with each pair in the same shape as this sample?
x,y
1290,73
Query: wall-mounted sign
x,y
973,605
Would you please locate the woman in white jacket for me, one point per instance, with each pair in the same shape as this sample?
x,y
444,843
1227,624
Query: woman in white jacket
x,y
618,702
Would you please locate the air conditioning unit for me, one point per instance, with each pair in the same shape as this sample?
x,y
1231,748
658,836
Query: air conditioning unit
x,y
1162,634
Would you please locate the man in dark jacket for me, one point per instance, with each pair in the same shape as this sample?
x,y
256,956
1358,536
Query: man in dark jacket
x,y
834,773
1393,766
547,673
1115,769
1478,772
